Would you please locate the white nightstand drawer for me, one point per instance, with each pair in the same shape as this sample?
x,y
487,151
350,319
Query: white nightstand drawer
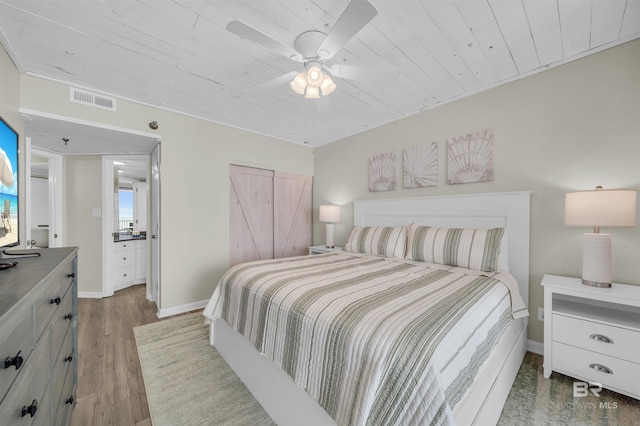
x,y
611,372
593,336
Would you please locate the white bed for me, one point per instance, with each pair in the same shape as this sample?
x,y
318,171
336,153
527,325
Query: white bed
x,y
289,405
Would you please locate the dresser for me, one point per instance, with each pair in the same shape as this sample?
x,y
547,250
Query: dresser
x,y
593,334
38,339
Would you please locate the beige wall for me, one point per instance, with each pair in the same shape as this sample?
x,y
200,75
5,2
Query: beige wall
x,y
82,193
568,128
195,158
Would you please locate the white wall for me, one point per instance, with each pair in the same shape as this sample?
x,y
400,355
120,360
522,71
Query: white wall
x,y
568,128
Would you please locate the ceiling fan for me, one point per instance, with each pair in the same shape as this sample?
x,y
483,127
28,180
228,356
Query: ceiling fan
x,y
313,48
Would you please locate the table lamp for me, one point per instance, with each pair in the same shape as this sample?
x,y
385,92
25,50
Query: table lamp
x,y
599,208
329,214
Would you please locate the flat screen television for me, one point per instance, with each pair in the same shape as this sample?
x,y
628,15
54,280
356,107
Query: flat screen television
x,y
9,229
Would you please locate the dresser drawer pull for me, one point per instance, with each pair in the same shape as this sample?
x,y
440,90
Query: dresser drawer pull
x,y
601,368
601,338
57,300
68,358
31,409
71,275
16,360
69,400
69,316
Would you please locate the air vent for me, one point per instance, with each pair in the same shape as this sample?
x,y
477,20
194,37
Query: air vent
x,y
93,99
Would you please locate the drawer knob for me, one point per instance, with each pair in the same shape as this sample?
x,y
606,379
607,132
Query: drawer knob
x,y
16,360
56,300
69,400
71,275
31,409
69,316
601,368
601,338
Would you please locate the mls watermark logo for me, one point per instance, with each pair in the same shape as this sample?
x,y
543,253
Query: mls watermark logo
x,y
582,389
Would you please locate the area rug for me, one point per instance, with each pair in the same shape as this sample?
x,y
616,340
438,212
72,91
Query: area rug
x,y
188,383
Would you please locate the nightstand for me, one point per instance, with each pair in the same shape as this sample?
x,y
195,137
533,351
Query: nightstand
x,y
322,249
593,334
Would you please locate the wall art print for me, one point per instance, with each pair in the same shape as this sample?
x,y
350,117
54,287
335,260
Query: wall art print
x,y
470,158
382,172
420,166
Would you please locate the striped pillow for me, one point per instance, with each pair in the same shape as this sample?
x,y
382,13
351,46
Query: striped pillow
x,y
469,248
385,241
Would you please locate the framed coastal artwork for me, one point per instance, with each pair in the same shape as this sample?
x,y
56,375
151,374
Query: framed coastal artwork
x,y
420,166
470,158
383,172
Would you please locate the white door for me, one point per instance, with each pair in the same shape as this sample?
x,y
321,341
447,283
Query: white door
x,y
154,229
44,199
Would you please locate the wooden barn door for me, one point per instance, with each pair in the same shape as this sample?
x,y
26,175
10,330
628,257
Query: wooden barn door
x,y
251,214
270,214
292,214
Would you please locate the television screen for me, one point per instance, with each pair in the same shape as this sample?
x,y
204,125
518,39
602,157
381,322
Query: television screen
x,y
8,185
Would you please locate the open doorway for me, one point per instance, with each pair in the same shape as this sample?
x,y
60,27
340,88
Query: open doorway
x,y
127,233
75,144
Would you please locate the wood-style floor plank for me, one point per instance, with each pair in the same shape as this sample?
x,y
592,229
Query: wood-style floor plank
x,y
110,385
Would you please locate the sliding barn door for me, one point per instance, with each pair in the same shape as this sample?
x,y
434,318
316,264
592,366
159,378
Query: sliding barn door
x,y
270,214
251,214
292,214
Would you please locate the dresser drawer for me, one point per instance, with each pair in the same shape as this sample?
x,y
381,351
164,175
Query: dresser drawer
x,y
621,375
30,385
62,410
47,302
16,335
594,336
63,360
61,322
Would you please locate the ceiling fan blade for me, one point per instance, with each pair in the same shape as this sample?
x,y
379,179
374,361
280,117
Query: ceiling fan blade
x,y
278,81
350,72
245,31
357,14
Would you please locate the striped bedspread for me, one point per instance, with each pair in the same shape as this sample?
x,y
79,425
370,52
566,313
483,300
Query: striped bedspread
x,y
376,341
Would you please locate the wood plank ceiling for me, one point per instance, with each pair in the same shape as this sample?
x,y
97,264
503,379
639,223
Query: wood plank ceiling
x,y
177,54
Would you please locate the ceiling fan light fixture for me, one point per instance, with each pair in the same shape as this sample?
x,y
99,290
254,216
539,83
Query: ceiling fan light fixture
x,y
312,93
327,86
314,76
299,83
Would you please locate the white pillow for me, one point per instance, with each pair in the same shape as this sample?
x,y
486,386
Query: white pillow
x,y
470,248
388,241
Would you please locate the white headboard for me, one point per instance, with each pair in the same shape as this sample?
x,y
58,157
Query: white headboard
x,y
509,210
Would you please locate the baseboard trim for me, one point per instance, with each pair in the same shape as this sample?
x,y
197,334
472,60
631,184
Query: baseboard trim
x,y
535,347
90,295
175,310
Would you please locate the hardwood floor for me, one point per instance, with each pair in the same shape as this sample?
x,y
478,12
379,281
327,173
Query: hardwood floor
x,y
110,386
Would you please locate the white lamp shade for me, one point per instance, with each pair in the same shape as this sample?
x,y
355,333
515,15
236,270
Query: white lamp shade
x,y
327,86
330,213
299,83
601,208
312,93
314,76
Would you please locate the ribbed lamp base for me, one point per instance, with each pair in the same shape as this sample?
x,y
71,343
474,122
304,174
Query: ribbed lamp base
x,y
596,260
